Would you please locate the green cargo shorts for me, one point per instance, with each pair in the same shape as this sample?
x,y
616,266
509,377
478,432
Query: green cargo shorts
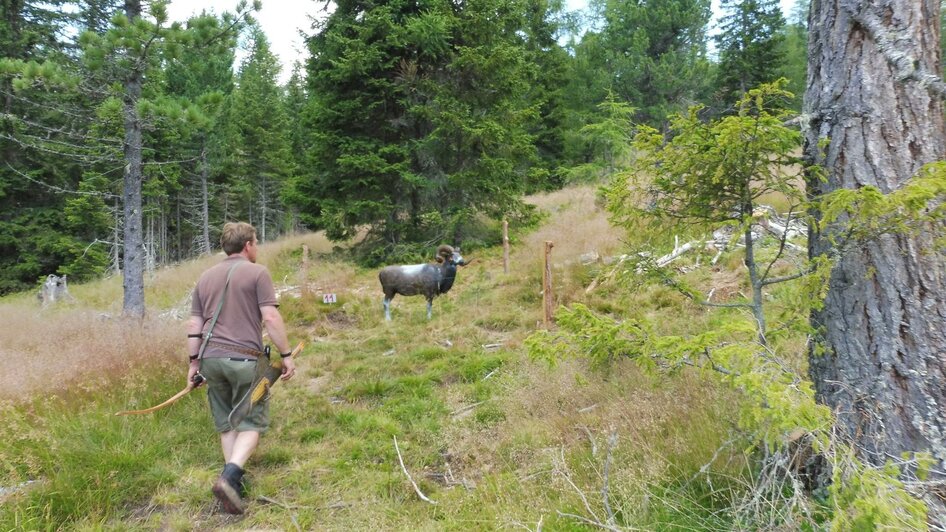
x,y
227,382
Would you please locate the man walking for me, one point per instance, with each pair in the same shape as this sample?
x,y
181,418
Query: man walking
x,y
231,303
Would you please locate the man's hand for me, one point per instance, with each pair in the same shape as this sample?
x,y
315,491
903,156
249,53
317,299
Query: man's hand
x,y
288,368
191,371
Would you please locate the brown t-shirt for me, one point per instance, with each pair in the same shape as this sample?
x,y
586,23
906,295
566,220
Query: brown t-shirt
x,y
240,322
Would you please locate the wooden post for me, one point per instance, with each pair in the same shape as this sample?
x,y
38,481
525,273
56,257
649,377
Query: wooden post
x,y
505,246
305,272
547,285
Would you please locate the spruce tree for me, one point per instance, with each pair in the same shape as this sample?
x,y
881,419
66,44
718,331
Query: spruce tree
x,y
41,137
259,118
749,46
795,46
417,119
655,53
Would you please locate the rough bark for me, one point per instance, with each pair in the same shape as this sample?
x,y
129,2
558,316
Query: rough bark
x,y
880,358
134,252
204,203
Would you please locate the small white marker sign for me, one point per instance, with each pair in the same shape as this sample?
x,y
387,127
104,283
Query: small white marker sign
x,y
328,298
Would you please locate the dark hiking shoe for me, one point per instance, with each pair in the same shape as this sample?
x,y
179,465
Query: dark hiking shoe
x,y
229,489
228,496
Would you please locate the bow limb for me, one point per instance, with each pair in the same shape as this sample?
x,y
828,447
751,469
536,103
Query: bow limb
x,y
184,392
298,349
170,401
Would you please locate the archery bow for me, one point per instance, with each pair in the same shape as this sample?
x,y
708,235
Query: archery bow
x,y
198,380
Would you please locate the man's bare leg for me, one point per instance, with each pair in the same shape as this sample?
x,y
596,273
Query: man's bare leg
x,y
237,449
238,446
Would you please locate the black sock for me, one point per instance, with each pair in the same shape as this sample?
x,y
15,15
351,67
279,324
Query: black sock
x,y
233,473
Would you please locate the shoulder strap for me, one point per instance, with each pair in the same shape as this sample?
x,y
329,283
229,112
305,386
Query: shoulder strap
x,y
213,321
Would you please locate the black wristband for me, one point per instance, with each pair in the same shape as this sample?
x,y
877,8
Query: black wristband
x,y
285,355
193,357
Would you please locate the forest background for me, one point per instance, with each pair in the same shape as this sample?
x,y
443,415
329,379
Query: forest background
x,y
412,119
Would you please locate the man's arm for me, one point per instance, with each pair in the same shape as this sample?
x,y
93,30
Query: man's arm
x,y
194,327
276,328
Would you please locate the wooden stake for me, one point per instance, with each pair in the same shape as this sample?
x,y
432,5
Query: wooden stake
x,y
305,272
547,285
505,246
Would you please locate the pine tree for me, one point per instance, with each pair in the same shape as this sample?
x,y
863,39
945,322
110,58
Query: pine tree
x,y
875,121
417,119
40,141
202,77
795,46
749,46
259,117
655,53
137,44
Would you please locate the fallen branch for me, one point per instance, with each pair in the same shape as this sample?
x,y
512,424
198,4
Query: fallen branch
x,y
337,505
591,438
705,467
672,256
404,469
538,526
467,407
537,473
567,476
589,521
601,280
677,251
284,506
612,440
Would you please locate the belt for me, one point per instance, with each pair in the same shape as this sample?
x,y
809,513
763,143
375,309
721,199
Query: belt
x,y
236,348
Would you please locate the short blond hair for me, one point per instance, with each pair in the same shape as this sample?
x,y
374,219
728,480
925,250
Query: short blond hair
x,y
235,236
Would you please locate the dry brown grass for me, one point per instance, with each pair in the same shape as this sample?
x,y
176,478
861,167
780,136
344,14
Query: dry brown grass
x,y
80,342
575,225
56,350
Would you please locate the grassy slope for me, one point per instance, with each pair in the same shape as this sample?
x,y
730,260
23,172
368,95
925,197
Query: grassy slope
x,y
495,439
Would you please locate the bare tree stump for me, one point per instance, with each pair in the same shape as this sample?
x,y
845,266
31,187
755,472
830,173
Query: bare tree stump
x,y
547,285
54,289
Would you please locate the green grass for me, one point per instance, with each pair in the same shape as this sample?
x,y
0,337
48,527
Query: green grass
x,y
482,430
90,464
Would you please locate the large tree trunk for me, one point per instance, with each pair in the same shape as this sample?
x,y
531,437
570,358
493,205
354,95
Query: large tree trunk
x,y
133,280
204,202
880,356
